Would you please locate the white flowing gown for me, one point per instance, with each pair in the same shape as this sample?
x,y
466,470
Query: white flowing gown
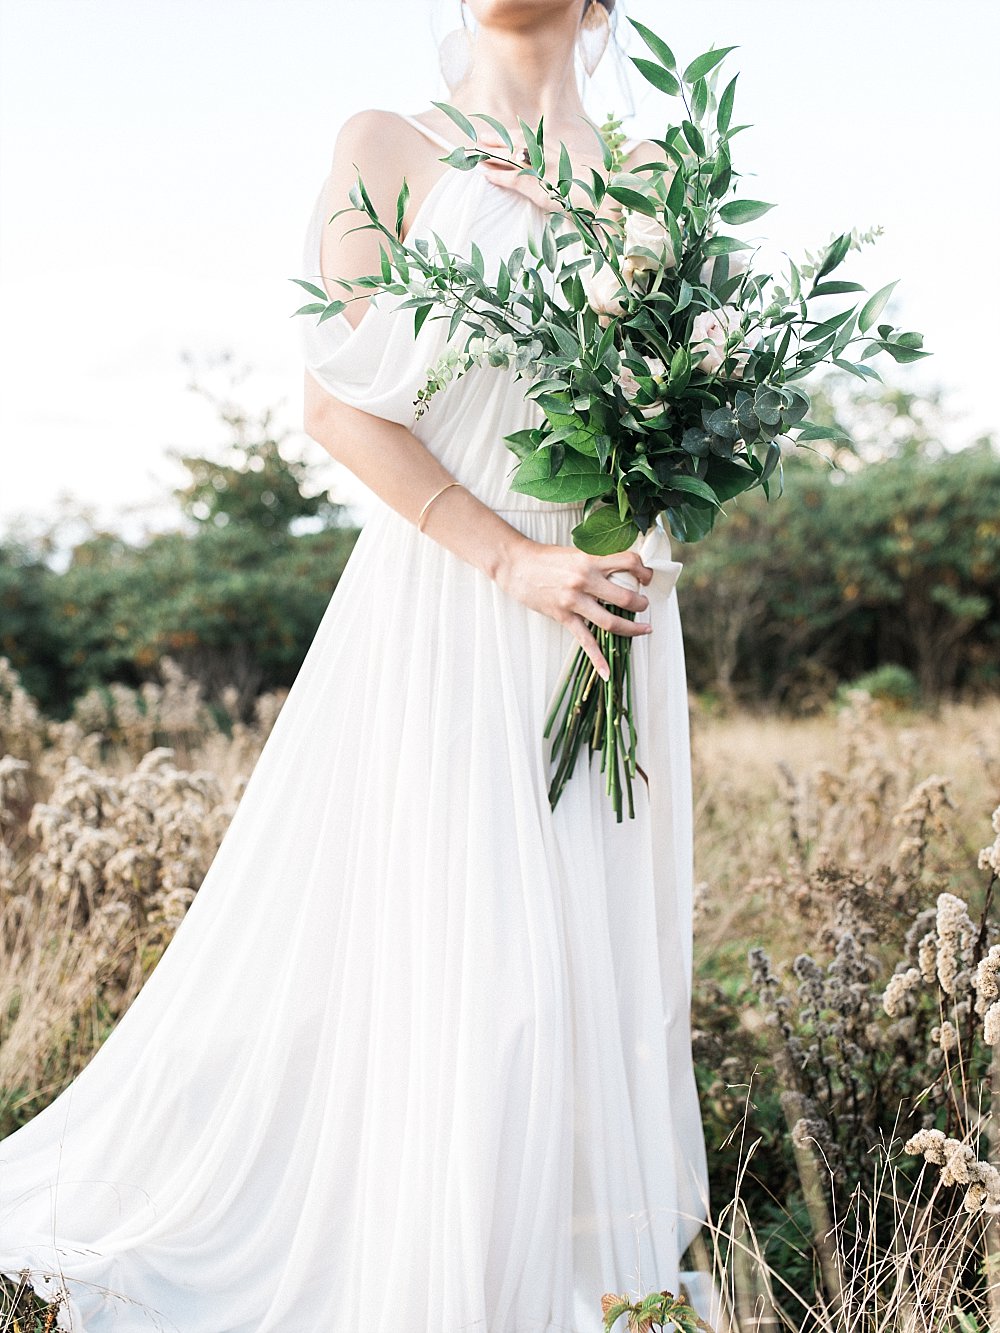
x,y
418,1057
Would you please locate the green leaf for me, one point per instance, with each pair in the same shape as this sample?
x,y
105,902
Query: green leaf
x,y
657,76
738,211
835,288
420,318
675,194
874,306
702,65
684,296
722,175
580,477
550,254
699,101
694,138
678,481
604,532
311,288
835,254
462,159
523,443
725,112
724,245
656,44
639,203
313,308
903,355
402,199
605,151
502,132
463,122
729,478
565,165
334,308
817,432
533,143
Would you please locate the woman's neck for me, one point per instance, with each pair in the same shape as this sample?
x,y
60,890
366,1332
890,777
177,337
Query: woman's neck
x,y
530,74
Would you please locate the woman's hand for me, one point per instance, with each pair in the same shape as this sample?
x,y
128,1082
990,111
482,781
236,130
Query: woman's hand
x,y
511,178
569,586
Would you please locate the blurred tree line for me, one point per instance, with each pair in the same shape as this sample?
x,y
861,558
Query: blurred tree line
x,y
234,594
882,556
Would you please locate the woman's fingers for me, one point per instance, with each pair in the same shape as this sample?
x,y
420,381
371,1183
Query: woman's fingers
x,y
600,615
625,562
578,628
627,598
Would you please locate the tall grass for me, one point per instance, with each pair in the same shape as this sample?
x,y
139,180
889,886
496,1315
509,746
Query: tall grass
x,y
847,999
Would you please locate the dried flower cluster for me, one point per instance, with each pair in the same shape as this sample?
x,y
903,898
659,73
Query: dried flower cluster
x,y
101,855
959,1166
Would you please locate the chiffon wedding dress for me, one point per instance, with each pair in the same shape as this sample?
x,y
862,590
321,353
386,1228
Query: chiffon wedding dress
x,y
418,1058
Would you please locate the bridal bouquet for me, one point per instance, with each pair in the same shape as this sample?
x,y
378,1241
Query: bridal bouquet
x,y
665,362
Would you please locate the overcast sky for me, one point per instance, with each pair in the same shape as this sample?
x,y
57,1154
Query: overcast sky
x,y
159,160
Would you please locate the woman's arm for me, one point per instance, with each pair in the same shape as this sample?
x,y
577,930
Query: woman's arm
x,y
559,581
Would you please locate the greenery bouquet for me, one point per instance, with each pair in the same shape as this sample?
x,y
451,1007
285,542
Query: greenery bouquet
x,y
665,361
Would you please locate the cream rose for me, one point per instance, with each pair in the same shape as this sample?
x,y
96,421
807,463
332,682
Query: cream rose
x,y
711,331
603,287
642,232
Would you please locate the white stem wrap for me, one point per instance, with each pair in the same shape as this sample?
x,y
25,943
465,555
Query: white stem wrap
x,y
654,550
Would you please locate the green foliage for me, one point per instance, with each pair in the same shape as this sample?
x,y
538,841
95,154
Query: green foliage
x,y
22,1311
891,684
651,343
256,487
896,563
234,598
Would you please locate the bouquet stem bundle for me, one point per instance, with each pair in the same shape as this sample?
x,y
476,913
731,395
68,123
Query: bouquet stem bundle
x,y
598,713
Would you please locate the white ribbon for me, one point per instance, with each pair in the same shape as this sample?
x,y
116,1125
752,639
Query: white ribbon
x,y
654,550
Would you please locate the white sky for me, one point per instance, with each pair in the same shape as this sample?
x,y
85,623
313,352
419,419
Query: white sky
x,y
159,159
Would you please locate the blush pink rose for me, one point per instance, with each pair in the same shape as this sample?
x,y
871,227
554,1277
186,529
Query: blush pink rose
x,y
710,332
629,386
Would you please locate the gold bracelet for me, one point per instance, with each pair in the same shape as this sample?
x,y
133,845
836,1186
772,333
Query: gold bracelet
x,y
423,512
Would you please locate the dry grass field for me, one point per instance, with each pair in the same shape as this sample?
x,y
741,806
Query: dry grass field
x,y
847,974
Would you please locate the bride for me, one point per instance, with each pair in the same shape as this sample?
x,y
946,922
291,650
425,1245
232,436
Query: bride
x,y
418,1057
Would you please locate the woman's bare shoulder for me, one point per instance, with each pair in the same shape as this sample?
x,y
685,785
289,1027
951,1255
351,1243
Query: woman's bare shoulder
x,y
374,128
